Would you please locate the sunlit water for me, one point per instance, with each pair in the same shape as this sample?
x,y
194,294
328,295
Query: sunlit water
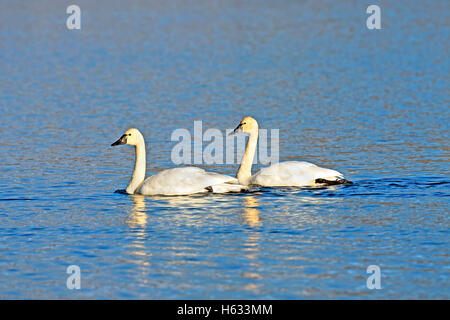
x,y
371,104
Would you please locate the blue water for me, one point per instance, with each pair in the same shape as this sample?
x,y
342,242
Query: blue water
x,y
372,104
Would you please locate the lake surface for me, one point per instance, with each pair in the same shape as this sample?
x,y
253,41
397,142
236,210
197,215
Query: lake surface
x,y
372,104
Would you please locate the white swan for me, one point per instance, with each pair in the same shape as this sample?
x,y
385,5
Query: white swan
x,y
177,181
290,173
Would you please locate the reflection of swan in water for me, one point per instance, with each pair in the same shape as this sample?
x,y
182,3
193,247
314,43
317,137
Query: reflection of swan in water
x,y
251,211
251,245
198,210
193,201
137,221
138,216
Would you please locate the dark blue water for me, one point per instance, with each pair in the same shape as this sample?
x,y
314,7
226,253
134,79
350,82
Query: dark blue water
x,y
372,104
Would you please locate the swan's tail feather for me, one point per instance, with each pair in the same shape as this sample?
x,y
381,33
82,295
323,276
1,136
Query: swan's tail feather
x,y
333,182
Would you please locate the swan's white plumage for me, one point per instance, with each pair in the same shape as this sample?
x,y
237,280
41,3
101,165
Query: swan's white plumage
x,y
293,173
290,173
176,181
184,181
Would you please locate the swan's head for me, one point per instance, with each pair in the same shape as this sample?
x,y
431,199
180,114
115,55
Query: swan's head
x,y
247,125
131,136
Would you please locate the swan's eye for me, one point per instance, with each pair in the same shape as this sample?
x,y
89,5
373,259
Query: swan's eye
x,y
244,123
129,134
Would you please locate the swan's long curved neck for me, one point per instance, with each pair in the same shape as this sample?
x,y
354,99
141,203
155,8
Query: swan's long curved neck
x,y
245,169
139,168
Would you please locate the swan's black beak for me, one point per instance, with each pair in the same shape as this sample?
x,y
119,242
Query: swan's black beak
x,y
238,129
122,140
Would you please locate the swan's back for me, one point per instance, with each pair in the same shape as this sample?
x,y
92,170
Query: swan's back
x,y
293,173
182,181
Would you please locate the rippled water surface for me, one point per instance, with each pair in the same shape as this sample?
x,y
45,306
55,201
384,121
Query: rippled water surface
x,y
371,104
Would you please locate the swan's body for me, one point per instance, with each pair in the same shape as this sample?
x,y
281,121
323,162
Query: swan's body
x,y
177,181
294,173
290,173
187,180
